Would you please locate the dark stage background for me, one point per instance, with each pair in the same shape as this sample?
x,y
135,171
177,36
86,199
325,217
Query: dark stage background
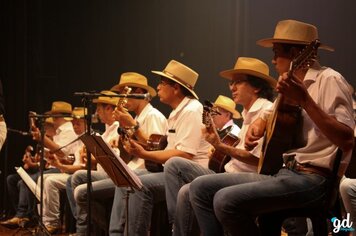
x,y
50,49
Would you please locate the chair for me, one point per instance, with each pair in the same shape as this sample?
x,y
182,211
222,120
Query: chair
x,y
270,224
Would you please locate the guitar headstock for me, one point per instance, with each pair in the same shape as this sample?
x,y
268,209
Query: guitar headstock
x,y
209,108
32,120
306,57
123,100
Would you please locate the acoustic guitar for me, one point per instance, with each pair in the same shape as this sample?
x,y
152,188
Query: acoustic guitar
x,y
218,159
285,123
154,143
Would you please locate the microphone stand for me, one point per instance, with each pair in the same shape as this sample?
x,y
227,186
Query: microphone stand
x,y
88,104
41,118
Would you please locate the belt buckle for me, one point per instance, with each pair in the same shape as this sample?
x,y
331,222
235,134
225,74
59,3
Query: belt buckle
x,y
290,162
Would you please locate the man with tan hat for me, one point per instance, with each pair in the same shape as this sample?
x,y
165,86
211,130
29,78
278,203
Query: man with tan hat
x,y
176,89
235,200
54,183
147,121
57,145
251,86
61,112
77,188
223,120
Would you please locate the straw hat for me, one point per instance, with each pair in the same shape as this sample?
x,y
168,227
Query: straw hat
x,y
227,104
107,100
250,66
79,112
133,79
293,32
60,107
181,74
49,120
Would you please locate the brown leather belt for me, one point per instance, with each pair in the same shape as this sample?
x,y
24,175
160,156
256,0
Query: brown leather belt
x,y
308,169
2,118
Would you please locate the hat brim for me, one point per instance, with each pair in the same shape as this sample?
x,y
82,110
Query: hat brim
x,y
61,112
177,81
96,100
268,43
235,114
149,89
229,74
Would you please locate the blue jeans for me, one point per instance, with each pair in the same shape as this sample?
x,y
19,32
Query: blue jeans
x,y
13,190
26,200
232,201
118,211
79,193
178,172
70,197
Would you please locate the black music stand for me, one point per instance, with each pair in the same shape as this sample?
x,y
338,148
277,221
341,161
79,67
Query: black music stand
x,y
114,166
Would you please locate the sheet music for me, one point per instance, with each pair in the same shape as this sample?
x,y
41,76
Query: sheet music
x,y
31,184
133,175
111,162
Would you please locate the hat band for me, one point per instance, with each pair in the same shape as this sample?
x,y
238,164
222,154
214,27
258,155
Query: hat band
x,y
178,79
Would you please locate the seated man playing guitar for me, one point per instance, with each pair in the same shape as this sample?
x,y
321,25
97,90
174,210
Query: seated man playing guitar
x,y
184,139
148,121
231,202
252,87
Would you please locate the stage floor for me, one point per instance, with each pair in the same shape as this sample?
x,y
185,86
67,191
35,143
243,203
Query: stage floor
x,y
22,232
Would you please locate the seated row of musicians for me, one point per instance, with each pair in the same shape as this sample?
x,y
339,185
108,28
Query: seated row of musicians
x,y
229,201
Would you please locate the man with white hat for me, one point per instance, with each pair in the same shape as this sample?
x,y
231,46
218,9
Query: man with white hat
x,y
184,138
251,86
235,200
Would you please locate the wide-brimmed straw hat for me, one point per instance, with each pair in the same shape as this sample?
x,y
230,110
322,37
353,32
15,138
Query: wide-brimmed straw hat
x,y
227,104
293,32
107,99
250,66
79,112
133,79
181,74
61,107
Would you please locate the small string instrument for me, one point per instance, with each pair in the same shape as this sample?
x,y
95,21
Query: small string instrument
x,y
127,134
284,124
218,159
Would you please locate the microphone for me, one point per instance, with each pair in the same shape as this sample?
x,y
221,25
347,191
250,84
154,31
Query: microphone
x,y
19,132
145,96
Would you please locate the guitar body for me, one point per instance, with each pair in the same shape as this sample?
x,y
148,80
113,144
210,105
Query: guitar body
x,y
154,143
285,136
284,126
219,159
125,156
